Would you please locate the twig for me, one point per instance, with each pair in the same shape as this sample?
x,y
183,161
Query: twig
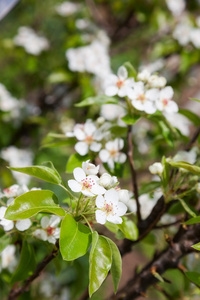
x,y
16,292
133,172
193,139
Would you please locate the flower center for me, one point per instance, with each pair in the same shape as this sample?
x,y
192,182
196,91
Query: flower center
x,y
50,230
87,183
165,102
89,139
113,153
120,83
108,208
141,97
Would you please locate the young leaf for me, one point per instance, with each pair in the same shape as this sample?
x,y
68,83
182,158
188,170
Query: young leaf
x,y
195,99
149,187
131,70
187,208
193,221
130,119
4,241
41,172
194,277
165,173
75,238
100,262
196,246
26,265
129,229
33,202
195,119
182,164
116,268
74,161
102,99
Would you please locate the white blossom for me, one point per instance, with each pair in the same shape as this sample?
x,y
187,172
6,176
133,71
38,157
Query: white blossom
x,y
176,6
90,169
120,84
18,158
164,102
87,185
111,154
31,42
108,181
156,168
146,205
179,121
187,156
8,225
109,208
182,33
124,195
67,8
50,231
8,258
142,99
14,191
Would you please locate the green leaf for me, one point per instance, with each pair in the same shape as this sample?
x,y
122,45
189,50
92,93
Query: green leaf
x,y
194,99
187,208
194,277
166,172
130,69
75,238
129,229
74,161
182,164
195,119
149,187
166,133
41,172
4,241
33,202
27,263
116,268
158,276
193,221
130,119
100,100
118,131
196,246
100,262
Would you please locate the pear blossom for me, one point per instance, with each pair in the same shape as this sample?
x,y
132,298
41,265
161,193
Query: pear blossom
x,y
90,169
67,8
8,258
31,42
50,231
124,195
120,84
109,208
176,6
164,102
8,225
187,156
112,154
146,205
182,33
142,99
155,81
87,185
179,121
14,190
108,181
88,136
156,168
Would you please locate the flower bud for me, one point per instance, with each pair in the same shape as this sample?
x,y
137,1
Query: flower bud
x,y
108,181
90,169
156,168
123,196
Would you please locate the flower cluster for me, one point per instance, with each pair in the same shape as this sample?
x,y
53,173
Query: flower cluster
x,y
96,138
147,94
31,42
102,191
185,32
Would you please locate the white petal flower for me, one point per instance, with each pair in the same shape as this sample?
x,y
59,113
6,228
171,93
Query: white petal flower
x,y
120,84
90,169
110,208
108,181
23,225
112,153
164,103
50,231
187,156
123,195
156,168
87,185
8,258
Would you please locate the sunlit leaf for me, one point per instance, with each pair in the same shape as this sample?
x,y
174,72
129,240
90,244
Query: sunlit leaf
x,y
194,277
187,166
193,221
33,202
75,238
196,246
129,229
74,161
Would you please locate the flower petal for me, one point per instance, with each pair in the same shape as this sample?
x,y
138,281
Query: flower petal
x,y
122,73
100,216
111,196
23,225
81,148
95,147
74,185
100,201
79,174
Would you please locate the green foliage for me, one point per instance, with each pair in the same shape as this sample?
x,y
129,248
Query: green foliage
x,y
187,166
131,119
4,241
74,161
41,172
194,277
75,238
98,100
196,246
100,262
129,229
27,263
33,202
193,221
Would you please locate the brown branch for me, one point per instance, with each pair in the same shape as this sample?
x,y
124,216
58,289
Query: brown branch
x,y
16,292
167,259
193,139
133,172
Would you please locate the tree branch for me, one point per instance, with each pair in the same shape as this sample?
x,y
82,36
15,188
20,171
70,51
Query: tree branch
x,y
16,292
133,172
167,259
